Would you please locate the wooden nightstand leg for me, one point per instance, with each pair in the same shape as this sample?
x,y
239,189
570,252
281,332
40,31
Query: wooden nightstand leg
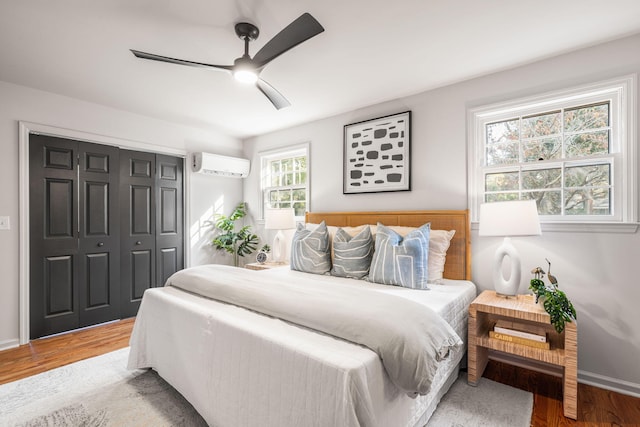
x,y
477,357
570,383
477,361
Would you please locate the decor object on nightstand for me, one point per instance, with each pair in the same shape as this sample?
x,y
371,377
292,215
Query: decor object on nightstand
x,y
555,301
261,257
238,243
279,219
513,218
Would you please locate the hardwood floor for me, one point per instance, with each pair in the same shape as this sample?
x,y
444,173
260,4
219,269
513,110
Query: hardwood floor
x,y
596,407
47,353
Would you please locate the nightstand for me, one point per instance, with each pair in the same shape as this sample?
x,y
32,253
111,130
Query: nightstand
x,y
487,308
265,266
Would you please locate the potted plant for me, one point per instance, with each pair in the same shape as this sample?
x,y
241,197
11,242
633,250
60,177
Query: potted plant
x,y
238,243
555,301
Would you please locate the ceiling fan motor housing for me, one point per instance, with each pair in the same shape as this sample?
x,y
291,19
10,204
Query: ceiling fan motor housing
x,y
247,31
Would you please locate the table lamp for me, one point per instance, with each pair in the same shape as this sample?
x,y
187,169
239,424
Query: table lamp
x,y
508,219
279,219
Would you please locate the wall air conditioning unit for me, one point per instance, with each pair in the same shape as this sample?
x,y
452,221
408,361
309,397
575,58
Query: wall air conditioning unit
x,y
215,164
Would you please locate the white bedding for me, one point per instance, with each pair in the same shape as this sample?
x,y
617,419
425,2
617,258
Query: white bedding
x,y
240,368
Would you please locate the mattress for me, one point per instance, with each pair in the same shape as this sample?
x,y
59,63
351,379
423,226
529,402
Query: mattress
x,y
241,368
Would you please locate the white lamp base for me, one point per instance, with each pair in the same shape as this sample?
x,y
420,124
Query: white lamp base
x,y
278,248
503,286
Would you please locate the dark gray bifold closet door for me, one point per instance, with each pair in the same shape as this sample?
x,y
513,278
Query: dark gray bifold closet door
x,y
152,225
169,228
74,234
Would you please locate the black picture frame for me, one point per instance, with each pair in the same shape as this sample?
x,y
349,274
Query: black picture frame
x,y
377,155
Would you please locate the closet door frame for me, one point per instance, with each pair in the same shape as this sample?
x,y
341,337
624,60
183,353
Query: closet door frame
x,y
25,128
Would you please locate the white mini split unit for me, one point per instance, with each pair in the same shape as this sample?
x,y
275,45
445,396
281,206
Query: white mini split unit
x,y
215,164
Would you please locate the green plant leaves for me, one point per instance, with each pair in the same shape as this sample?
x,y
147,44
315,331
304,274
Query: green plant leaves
x,y
556,304
239,243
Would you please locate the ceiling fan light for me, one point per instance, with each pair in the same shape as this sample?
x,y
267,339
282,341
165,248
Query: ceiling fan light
x,y
245,76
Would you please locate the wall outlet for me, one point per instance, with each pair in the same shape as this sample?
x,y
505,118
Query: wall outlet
x,y
4,223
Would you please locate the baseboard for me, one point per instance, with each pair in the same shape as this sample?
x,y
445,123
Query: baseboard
x,y
608,383
584,377
7,344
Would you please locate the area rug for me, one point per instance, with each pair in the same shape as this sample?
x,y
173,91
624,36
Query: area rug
x,y
101,392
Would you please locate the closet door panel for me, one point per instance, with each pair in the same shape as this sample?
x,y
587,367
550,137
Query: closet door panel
x,y
53,235
169,235
58,286
99,278
99,270
141,273
138,227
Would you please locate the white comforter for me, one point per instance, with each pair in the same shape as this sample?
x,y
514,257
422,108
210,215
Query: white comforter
x,y
410,339
239,368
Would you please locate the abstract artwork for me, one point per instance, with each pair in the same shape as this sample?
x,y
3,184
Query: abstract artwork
x,y
376,155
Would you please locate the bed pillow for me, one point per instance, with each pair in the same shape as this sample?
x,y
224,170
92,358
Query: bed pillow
x,y
439,242
351,231
310,250
352,254
401,261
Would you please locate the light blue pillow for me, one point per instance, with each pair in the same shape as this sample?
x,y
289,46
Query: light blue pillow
x,y
352,255
310,250
401,261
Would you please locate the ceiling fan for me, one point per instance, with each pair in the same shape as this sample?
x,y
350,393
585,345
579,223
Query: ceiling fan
x,y
247,69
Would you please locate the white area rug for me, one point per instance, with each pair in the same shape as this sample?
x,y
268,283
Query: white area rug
x,y
490,404
101,392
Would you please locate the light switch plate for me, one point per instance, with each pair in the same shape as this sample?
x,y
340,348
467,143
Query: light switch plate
x,y
4,223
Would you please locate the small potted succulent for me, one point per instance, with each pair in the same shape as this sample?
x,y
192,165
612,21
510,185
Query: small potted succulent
x,y
554,301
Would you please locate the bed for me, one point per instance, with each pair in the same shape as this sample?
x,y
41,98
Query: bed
x,y
239,367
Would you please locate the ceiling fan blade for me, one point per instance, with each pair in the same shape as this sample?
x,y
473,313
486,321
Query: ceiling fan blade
x,y
291,36
274,96
154,57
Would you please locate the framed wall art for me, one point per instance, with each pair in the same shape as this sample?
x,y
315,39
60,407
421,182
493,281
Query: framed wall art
x,y
377,155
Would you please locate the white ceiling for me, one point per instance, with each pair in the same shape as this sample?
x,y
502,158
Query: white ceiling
x,y
371,51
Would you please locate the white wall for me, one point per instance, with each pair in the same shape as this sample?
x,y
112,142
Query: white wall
x,y
599,271
24,104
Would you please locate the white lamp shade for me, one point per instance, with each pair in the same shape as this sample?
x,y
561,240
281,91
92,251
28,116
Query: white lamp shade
x,y
513,218
279,219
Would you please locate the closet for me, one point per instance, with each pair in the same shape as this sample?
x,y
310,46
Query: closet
x,y
105,224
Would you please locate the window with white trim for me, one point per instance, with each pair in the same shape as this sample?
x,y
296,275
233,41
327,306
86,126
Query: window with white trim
x,y
571,151
284,181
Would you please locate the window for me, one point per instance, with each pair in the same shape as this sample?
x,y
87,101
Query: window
x,y
570,151
285,179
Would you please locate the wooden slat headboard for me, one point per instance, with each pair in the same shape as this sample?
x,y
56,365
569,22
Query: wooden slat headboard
x,y
458,265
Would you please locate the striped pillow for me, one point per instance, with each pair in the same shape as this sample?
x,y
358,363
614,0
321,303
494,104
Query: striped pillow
x,y
401,261
310,250
352,255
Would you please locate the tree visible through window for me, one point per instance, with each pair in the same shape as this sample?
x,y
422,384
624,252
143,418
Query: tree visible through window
x,y
570,151
285,180
559,158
